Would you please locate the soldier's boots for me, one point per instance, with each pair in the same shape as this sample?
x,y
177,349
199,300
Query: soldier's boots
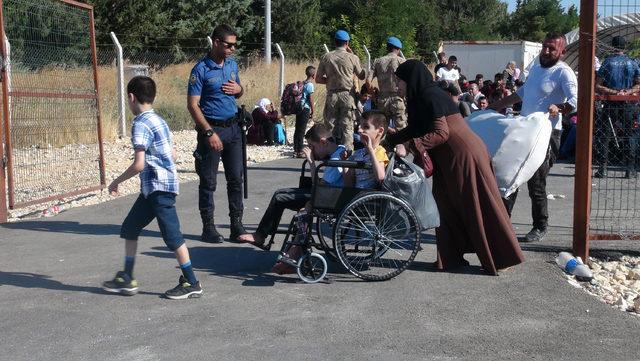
x,y
210,233
237,229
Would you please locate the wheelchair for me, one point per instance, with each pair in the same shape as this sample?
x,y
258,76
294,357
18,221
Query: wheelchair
x,y
372,233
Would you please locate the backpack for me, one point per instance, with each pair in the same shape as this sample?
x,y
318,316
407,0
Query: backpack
x,y
291,100
279,137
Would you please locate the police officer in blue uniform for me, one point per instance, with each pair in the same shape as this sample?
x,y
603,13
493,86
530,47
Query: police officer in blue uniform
x,y
214,86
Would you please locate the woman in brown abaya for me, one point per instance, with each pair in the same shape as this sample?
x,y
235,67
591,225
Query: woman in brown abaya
x,y
472,215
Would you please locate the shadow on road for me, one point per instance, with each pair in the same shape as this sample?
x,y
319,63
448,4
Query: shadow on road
x,y
249,265
80,228
34,280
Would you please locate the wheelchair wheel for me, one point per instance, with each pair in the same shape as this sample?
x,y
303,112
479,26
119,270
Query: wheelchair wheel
x,y
377,236
312,268
324,231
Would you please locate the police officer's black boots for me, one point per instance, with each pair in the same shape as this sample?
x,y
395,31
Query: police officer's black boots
x,y
237,229
210,233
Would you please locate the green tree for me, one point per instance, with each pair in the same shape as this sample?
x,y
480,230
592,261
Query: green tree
x,y
297,27
533,19
471,19
174,25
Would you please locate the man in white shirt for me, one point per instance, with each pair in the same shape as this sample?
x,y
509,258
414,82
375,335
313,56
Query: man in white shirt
x,y
472,96
550,87
450,72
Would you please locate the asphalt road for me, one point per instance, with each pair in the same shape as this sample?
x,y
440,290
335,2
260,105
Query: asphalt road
x,y
52,306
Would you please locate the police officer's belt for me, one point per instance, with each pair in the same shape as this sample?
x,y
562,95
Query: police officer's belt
x,y
221,123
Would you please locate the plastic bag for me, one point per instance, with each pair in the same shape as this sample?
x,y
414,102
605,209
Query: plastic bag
x,y
517,145
407,181
279,137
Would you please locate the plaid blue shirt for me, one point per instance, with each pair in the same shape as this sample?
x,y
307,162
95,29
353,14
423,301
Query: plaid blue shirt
x,y
151,134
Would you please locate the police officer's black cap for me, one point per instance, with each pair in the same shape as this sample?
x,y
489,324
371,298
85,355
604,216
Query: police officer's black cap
x,y
618,42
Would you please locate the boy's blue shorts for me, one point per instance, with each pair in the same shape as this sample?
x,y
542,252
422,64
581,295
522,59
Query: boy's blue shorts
x,y
159,205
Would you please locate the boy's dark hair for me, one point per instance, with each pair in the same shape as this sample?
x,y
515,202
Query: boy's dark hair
x,y
453,58
498,76
377,119
143,88
479,76
310,70
317,132
482,98
367,88
518,83
222,31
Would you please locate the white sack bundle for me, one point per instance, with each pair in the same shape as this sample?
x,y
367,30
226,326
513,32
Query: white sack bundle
x,y
517,145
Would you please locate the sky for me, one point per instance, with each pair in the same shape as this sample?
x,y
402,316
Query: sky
x,y
565,4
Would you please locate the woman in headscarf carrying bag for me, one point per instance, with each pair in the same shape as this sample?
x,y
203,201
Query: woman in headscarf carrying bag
x,y
472,215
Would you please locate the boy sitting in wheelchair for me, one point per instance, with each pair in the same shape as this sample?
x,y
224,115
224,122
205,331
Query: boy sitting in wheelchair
x,y
371,130
321,146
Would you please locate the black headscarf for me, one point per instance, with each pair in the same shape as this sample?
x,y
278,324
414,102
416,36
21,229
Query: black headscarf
x,y
426,101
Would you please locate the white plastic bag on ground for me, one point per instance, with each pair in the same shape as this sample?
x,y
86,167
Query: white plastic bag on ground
x,y
517,145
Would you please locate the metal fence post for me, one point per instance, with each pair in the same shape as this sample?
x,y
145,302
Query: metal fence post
x,y
281,90
3,133
210,42
267,31
281,68
121,105
402,55
584,140
7,156
326,48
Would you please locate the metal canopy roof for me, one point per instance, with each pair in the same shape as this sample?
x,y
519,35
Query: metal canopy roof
x,y
627,25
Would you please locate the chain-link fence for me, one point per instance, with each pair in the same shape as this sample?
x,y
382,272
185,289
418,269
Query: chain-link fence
x,y
53,145
170,68
615,199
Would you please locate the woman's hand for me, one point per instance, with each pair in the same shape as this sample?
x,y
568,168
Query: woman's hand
x,y
401,151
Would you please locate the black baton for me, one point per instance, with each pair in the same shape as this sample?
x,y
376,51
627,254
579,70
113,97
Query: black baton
x,y
245,181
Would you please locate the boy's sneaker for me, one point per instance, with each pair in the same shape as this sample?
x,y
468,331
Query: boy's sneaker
x,y
122,284
184,290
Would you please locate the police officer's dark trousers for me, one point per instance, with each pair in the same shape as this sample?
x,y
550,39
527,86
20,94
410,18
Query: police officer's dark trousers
x,y
207,170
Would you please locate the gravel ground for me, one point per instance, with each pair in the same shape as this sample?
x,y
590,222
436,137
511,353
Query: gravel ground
x,y
615,282
119,155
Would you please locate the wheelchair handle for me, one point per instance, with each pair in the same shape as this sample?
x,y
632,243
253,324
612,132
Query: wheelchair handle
x,y
345,164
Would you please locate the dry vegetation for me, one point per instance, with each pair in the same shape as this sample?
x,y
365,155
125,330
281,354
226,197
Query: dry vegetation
x,y
259,80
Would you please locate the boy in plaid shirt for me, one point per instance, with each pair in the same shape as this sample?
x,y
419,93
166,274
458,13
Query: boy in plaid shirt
x,y
154,160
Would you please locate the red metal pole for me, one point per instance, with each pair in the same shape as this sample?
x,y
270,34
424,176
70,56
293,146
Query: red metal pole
x,y
4,134
95,79
584,140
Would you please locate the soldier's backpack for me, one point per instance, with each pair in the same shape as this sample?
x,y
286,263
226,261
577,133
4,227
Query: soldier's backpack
x,y
291,100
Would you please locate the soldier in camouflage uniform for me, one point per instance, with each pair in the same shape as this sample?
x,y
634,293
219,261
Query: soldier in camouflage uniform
x,y
336,71
388,99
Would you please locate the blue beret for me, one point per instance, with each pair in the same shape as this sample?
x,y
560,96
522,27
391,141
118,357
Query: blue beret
x,y
342,35
392,40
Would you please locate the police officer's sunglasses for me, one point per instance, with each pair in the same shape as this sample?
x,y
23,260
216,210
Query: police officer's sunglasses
x,y
229,45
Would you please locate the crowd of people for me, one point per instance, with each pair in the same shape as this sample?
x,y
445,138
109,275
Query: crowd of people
x,y
408,111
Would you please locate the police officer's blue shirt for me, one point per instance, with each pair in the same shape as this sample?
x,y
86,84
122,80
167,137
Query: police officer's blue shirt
x,y
206,81
619,72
